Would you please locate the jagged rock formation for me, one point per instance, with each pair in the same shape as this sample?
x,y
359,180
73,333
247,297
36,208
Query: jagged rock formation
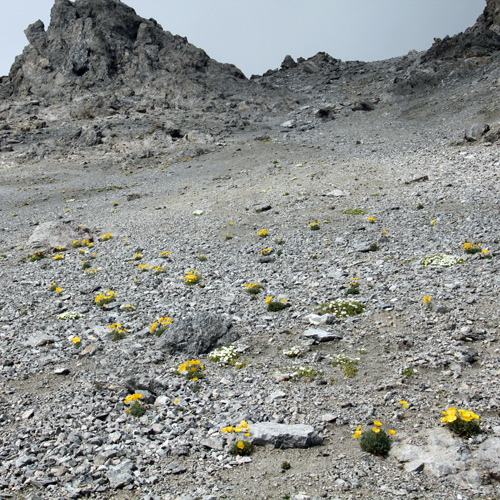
x,y
94,44
477,41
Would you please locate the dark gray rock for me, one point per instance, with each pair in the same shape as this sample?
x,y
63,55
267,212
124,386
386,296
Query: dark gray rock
x,y
284,436
95,43
288,63
363,106
197,334
89,137
479,41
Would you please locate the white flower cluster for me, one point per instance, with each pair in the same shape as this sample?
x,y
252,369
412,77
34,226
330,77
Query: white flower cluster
x,y
342,308
442,260
226,355
68,315
294,352
343,360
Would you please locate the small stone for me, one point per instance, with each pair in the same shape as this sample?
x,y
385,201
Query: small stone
x,y
62,371
28,414
321,335
213,443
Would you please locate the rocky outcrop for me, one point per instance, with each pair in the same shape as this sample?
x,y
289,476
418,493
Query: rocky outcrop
x,y
95,44
479,41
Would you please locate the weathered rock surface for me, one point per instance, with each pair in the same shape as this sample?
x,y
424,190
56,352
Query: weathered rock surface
x,y
283,436
198,334
91,44
51,235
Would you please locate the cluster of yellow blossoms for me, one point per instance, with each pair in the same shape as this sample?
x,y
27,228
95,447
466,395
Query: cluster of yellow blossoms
x,y
243,427
105,298
376,429
161,322
132,397
465,415
191,278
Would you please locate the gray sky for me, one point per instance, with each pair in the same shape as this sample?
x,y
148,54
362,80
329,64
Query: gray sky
x,y
256,35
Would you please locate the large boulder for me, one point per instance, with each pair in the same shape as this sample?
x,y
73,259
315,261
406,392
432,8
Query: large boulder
x,y
51,235
198,334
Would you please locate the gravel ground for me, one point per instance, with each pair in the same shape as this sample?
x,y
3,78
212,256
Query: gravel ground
x,y
65,432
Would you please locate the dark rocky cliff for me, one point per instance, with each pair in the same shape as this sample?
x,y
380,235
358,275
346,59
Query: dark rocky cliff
x,y
92,44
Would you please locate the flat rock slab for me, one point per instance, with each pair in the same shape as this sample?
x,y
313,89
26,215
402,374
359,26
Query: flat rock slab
x,y
488,456
198,334
51,235
320,335
284,436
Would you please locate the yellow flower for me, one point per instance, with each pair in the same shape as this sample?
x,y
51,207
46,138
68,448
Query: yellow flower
x,y
237,429
268,300
263,233
376,430
75,340
427,299
449,418
372,220
392,432
357,433
244,424
132,397
175,401
405,404
377,423
247,434
433,222
240,445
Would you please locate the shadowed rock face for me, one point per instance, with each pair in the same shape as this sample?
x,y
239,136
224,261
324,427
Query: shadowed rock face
x,y
493,11
96,43
478,41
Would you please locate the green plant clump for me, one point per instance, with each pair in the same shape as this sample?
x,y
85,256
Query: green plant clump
x,y
354,211
463,423
376,443
242,448
348,366
341,308
275,306
137,410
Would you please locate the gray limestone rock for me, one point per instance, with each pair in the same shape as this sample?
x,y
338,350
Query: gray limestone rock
x,y
121,475
284,436
50,235
476,131
320,335
488,457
